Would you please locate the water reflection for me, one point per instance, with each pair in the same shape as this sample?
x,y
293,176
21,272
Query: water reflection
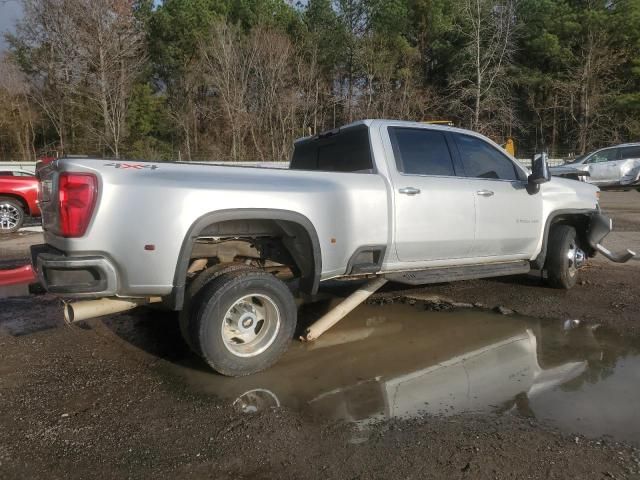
x,y
400,361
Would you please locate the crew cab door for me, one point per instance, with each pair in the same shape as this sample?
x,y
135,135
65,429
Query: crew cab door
x,y
508,217
602,166
434,207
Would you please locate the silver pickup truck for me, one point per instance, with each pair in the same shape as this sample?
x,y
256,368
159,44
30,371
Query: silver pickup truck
x,y
231,248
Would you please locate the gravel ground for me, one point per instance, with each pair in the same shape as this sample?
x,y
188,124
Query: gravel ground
x,y
80,402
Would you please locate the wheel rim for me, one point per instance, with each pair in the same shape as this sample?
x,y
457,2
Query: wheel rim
x,y
576,258
250,325
9,216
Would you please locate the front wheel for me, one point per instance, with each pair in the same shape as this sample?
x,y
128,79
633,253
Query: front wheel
x,y
11,215
242,322
564,257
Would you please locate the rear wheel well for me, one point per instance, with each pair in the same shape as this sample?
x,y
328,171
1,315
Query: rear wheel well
x,y
287,248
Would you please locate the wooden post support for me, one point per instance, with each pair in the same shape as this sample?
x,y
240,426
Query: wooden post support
x,y
343,308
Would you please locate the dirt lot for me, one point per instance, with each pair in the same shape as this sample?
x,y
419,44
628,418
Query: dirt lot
x,y
122,397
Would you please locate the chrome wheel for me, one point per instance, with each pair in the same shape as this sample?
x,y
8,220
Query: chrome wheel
x,y
9,216
250,325
576,258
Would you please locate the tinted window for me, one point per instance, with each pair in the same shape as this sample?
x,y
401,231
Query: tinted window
x,y
345,151
630,152
421,152
481,160
603,156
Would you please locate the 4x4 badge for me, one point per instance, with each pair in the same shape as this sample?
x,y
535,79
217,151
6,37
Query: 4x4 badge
x,y
135,166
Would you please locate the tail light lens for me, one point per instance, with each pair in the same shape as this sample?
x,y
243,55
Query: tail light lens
x,y
77,194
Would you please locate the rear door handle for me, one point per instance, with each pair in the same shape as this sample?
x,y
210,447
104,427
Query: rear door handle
x,y
485,193
409,190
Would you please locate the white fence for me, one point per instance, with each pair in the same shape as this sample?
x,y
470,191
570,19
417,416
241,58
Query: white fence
x,y
11,166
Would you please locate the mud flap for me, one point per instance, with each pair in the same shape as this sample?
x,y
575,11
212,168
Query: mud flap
x,y
599,227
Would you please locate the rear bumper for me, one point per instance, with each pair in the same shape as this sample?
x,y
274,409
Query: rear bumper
x,y
76,277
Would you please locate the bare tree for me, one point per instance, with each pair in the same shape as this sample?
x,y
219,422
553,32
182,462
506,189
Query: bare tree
x,y
594,76
16,112
482,88
227,64
45,34
110,58
84,56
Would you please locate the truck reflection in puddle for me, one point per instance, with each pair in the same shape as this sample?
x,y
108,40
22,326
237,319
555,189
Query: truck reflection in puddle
x,y
399,361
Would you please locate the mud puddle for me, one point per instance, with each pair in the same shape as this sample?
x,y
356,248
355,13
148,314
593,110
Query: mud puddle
x,y
400,361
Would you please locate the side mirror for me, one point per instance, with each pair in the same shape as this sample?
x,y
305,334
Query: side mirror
x,y
539,171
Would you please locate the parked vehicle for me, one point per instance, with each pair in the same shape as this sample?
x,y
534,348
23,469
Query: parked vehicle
x,y
18,198
617,166
229,247
16,173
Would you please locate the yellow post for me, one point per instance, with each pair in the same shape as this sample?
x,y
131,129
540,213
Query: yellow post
x,y
510,147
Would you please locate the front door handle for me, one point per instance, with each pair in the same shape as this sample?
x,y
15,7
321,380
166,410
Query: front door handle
x,y
485,193
409,190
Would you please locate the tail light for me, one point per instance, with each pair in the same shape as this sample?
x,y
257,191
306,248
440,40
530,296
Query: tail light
x,y
77,194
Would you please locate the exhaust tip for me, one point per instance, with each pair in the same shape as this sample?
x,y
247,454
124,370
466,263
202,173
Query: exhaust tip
x,y
86,309
68,313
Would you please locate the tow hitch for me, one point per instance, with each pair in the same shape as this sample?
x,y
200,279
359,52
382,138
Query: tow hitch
x,y
599,228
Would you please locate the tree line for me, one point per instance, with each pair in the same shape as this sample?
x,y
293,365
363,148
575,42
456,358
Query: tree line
x,y
241,79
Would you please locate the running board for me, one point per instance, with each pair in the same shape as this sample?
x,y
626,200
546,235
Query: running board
x,y
451,274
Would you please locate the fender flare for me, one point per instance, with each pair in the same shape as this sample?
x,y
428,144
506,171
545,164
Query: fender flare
x,y
211,218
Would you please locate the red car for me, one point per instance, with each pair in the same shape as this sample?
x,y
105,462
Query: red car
x,y
18,198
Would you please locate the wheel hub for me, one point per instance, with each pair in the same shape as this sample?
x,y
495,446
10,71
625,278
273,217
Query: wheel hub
x,y
9,216
247,320
250,325
577,257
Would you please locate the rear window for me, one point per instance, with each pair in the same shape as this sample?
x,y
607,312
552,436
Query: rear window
x,y
348,150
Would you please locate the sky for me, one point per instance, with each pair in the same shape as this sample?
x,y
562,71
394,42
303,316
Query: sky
x,y
10,11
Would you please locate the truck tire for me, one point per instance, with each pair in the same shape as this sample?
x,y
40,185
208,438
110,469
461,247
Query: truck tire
x,y
561,266
204,277
11,215
242,322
